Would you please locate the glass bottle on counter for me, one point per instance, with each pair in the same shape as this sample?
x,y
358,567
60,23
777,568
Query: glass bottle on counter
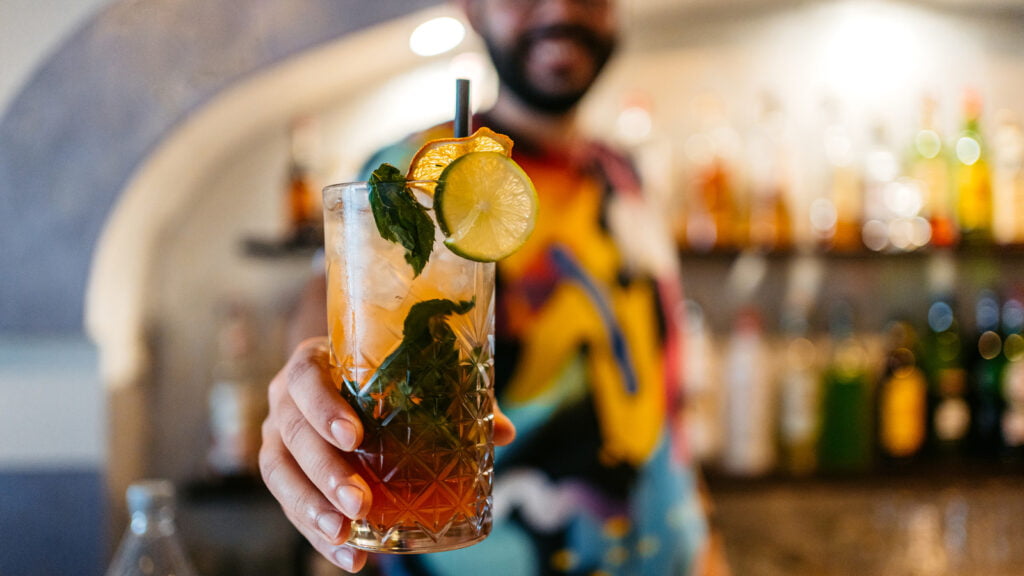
x,y
972,178
150,546
985,378
902,397
749,400
845,442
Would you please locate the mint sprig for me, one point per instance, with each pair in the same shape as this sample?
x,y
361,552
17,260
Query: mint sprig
x,y
428,346
399,217
419,377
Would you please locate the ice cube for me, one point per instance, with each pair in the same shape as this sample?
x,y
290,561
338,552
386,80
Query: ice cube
x,y
384,281
450,273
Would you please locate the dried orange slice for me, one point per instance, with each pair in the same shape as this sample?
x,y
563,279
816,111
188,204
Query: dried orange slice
x,y
434,156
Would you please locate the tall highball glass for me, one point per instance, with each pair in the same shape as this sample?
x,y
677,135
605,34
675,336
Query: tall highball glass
x,y
412,354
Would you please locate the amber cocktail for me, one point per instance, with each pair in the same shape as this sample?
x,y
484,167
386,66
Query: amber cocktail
x,y
411,346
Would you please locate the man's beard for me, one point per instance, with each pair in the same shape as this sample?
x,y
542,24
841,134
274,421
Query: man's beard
x,y
510,66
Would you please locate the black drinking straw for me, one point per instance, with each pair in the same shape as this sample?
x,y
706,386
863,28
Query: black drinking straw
x,y
462,116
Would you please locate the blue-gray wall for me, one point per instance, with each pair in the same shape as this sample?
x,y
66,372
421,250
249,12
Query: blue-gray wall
x,y
51,524
90,114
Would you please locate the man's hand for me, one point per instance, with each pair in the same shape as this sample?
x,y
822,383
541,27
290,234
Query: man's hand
x,y
306,458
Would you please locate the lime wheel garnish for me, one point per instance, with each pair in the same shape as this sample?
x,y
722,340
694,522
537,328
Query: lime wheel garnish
x,y
486,206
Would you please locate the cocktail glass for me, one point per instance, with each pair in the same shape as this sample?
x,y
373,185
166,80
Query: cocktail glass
x,y
412,354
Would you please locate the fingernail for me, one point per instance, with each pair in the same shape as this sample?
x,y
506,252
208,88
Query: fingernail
x,y
351,500
345,433
330,524
344,557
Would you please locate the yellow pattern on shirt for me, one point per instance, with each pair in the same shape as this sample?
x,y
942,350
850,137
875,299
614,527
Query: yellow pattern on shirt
x,y
631,423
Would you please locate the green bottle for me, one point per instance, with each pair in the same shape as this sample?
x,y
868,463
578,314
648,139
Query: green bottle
x,y
845,441
1012,420
987,365
949,412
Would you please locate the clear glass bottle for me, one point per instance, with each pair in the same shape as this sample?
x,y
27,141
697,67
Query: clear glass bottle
x,y
1008,179
749,448
836,214
770,178
237,402
150,546
799,401
702,391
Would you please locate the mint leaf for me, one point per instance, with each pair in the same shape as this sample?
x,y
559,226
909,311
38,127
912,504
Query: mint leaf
x,y
420,373
399,217
426,321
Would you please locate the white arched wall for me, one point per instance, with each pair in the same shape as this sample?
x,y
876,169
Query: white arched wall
x,y
234,147
123,259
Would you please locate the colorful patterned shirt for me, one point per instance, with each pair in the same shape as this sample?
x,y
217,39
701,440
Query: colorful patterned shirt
x,y
587,368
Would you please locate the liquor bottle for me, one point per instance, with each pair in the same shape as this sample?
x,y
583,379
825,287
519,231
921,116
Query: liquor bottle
x,y
972,179
929,166
881,170
1008,179
845,442
305,221
702,396
799,400
902,398
1013,379
749,400
237,403
712,221
836,213
769,182
150,546
302,203
987,362
949,411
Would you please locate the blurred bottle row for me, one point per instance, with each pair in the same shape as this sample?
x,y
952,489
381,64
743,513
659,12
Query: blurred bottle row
x,y
757,188
949,386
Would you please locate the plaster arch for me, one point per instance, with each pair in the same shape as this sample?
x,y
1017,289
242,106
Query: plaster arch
x,y
168,181
100,151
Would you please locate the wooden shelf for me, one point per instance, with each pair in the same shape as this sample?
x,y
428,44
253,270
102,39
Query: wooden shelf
x,y
933,476
1014,251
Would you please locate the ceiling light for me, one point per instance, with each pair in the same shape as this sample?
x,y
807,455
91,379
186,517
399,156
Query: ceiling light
x,y
437,36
